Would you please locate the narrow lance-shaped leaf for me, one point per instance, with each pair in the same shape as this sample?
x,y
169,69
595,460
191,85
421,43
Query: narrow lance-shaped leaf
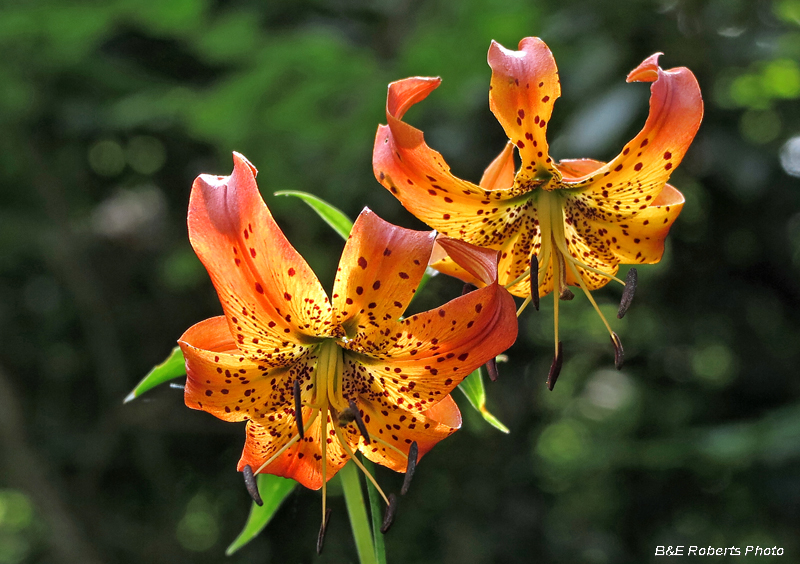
x,y
472,386
173,367
333,216
273,490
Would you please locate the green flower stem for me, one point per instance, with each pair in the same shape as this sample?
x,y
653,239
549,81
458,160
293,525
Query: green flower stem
x,y
376,510
357,511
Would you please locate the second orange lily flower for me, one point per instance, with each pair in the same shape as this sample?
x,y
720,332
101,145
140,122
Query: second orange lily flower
x,y
562,224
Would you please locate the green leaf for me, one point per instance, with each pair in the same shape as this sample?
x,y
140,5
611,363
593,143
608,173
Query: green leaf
x,y
331,215
375,505
273,491
173,367
472,386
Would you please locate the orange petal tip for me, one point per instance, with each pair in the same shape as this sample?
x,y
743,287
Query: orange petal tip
x,y
647,71
240,160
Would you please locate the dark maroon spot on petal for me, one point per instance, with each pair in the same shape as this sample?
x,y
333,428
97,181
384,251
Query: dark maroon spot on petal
x,y
376,285
448,200
291,272
387,252
349,301
209,392
463,357
667,166
667,155
644,143
359,290
362,262
546,99
478,307
403,275
618,168
259,289
287,295
252,252
520,144
638,167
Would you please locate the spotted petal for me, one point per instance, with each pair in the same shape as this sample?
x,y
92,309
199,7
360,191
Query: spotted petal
x,y
634,179
419,177
422,358
395,429
524,87
380,269
271,298
302,461
224,382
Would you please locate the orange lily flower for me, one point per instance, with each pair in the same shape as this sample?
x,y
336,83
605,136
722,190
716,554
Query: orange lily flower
x,y
573,222
317,379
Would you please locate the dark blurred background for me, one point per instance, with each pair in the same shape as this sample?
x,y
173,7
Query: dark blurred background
x,y
109,109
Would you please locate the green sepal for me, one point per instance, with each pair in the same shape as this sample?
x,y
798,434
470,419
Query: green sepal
x,y
173,367
273,490
333,216
472,386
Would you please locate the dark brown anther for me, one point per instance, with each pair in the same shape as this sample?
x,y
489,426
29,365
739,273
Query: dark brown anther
x,y
346,416
322,529
359,421
566,294
535,281
388,517
491,369
251,485
468,288
298,409
619,352
413,453
627,293
555,367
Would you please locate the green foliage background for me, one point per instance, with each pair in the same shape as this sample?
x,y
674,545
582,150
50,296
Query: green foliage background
x,y
110,109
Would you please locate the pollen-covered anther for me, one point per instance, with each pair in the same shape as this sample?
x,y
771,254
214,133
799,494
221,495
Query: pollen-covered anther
x,y
413,454
298,409
362,428
251,485
388,517
491,369
627,293
555,367
566,294
322,529
619,352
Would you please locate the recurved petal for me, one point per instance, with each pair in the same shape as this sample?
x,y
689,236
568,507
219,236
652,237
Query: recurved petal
x,y
640,239
500,172
272,299
302,461
632,181
524,86
416,362
380,269
395,429
224,382
419,177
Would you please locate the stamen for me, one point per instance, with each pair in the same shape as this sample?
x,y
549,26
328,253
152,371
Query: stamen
x,y
388,517
627,293
298,409
322,529
491,369
359,421
293,440
518,279
534,295
566,294
619,352
524,305
413,452
357,462
251,485
468,288
555,367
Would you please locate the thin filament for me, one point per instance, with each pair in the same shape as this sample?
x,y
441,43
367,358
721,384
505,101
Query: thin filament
x,y
287,445
369,476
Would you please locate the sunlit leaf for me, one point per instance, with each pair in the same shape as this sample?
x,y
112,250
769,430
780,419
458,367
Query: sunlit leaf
x,y
273,490
173,367
331,215
472,386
